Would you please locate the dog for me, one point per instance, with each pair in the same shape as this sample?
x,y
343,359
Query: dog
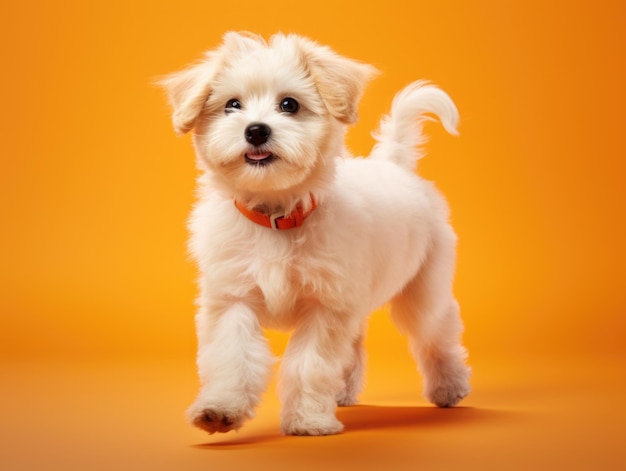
x,y
291,232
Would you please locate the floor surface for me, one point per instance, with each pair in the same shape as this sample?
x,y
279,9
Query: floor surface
x,y
547,413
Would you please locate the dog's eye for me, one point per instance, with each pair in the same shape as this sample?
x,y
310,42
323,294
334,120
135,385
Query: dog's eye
x,y
232,104
289,105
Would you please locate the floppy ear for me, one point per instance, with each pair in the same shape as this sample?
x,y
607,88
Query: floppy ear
x,y
189,89
340,81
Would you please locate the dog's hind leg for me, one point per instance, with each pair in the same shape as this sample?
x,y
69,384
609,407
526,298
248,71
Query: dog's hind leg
x,y
353,373
427,312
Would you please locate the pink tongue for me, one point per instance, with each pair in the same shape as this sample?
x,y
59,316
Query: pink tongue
x,y
265,155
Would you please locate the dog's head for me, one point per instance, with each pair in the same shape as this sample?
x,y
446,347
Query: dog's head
x,y
267,117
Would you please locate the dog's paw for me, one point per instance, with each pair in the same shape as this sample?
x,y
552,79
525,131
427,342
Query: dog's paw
x,y
448,394
446,397
213,419
314,425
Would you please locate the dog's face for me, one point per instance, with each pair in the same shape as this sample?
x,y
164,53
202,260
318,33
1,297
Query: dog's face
x,y
267,118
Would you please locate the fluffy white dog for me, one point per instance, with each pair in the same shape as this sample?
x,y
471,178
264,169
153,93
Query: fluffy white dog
x,y
292,233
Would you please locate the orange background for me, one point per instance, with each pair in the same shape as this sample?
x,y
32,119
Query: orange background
x,y
96,189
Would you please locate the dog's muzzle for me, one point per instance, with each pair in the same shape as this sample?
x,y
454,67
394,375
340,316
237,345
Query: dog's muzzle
x,y
258,134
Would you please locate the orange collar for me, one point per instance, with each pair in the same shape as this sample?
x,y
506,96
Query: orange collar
x,y
277,220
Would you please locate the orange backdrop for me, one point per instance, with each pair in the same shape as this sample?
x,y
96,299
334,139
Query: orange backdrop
x,y
96,292
96,188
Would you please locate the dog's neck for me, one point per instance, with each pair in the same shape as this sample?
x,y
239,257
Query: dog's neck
x,y
270,217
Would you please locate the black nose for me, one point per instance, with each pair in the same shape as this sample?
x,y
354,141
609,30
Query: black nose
x,y
258,133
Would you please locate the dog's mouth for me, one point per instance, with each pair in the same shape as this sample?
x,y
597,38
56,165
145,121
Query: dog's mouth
x,y
259,159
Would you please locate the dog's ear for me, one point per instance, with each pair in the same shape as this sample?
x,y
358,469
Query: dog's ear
x,y
189,89
340,81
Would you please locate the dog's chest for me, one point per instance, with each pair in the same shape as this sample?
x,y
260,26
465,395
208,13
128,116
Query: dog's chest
x,y
288,274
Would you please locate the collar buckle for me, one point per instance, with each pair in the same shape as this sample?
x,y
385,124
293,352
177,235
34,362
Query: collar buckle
x,y
274,218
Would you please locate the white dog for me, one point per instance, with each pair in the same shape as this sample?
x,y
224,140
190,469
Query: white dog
x,y
292,233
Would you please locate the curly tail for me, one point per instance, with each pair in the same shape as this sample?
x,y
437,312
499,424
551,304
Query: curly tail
x,y
400,136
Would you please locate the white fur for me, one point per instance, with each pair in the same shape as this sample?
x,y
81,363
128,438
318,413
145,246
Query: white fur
x,y
379,234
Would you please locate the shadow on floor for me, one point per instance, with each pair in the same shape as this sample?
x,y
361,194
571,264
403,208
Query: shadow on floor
x,y
369,418
365,417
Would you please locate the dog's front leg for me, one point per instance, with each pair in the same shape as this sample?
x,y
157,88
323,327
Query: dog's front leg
x,y
234,364
312,374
